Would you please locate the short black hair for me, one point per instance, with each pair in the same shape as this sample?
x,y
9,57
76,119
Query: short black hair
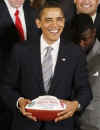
x,y
79,24
49,4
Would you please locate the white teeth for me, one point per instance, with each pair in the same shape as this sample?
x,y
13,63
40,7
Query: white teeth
x,y
86,6
54,31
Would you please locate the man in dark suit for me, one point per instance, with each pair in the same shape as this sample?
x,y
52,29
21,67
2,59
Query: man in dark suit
x,y
24,79
9,33
91,8
7,22
9,36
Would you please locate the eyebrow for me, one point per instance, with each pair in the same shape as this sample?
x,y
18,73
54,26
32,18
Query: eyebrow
x,y
56,17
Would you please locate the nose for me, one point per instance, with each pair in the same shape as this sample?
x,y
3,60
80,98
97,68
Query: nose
x,y
54,22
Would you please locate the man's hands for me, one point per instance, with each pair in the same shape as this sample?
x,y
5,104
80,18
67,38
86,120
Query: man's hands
x,y
72,106
22,102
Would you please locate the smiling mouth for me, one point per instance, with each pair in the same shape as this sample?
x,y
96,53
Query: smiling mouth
x,y
87,6
54,31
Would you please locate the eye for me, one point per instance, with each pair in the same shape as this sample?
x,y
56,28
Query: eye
x,y
48,20
60,19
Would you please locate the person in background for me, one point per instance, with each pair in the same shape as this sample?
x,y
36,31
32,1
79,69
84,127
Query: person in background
x,y
37,3
16,24
68,8
84,34
27,2
25,77
91,7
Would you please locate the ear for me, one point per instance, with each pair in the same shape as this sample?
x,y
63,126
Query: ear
x,y
37,21
82,43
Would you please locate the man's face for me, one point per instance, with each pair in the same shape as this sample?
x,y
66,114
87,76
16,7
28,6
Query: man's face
x,y
16,3
51,23
86,6
88,39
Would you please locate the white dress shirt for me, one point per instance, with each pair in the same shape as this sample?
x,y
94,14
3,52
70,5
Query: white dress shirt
x,y
21,16
54,53
94,17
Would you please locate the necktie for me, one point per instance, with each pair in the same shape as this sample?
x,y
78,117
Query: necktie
x,y
19,25
47,68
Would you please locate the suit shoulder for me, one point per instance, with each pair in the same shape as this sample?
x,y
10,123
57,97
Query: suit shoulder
x,y
27,45
2,5
24,44
72,48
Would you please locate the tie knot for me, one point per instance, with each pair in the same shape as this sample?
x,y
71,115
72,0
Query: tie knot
x,y
17,13
49,49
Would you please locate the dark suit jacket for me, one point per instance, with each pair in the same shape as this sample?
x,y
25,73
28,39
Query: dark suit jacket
x,y
8,32
9,36
97,23
24,79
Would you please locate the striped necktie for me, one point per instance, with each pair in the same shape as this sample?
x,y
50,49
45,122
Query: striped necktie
x,y
47,69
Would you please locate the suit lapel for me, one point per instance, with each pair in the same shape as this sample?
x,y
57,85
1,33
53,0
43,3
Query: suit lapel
x,y
9,20
9,24
96,22
60,60
27,20
36,65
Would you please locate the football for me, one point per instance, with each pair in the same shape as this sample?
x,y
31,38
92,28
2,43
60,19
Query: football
x,y
45,108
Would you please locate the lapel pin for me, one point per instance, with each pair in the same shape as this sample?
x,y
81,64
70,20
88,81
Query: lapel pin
x,y
63,59
66,58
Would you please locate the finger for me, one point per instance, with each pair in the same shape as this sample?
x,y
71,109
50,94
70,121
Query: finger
x,y
61,113
29,115
24,112
64,112
29,101
32,118
65,116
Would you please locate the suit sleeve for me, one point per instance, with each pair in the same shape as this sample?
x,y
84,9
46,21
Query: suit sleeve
x,y
9,89
82,90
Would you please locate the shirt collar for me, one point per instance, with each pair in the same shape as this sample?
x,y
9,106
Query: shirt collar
x,y
93,17
10,8
44,44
